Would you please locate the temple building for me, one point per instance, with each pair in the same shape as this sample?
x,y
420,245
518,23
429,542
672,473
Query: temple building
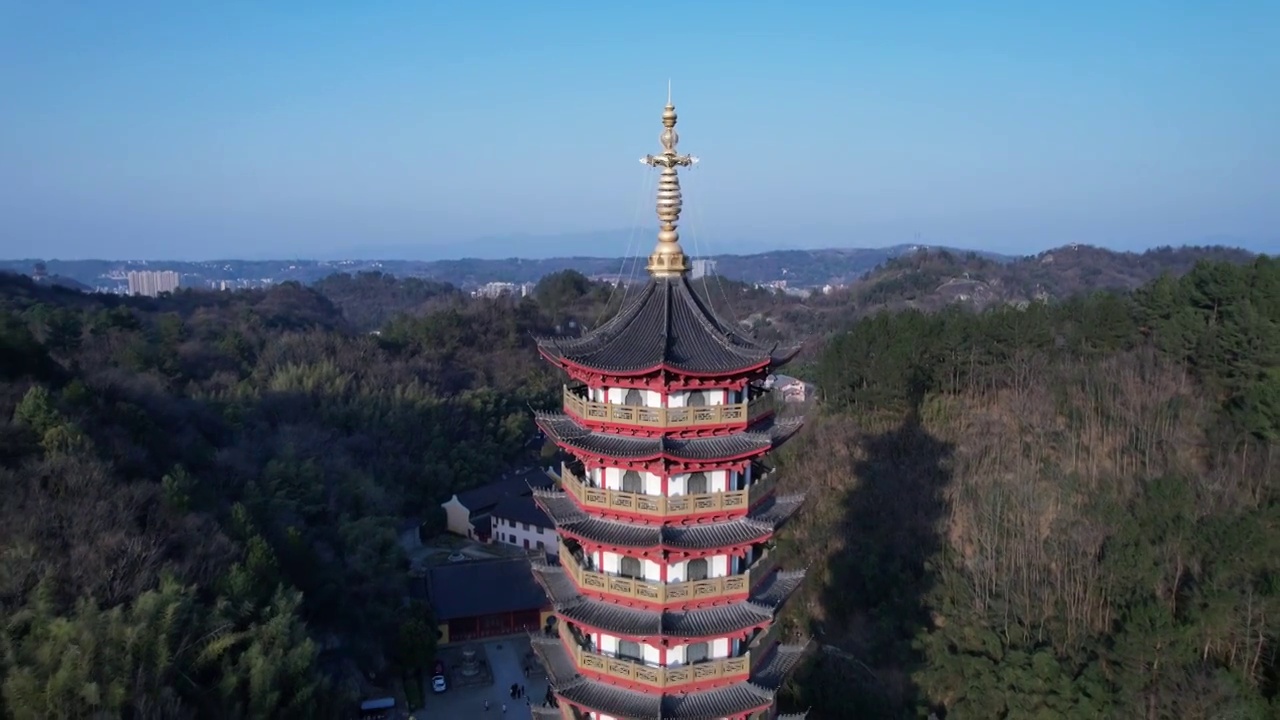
x,y
665,594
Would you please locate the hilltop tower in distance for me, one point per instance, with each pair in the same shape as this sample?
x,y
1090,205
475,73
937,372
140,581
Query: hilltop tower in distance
x,y
666,594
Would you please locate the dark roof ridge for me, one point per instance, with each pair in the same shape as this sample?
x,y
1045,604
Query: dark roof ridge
x,y
683,333
721,331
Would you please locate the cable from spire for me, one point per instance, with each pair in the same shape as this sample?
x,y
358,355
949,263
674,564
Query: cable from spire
x,y
668,258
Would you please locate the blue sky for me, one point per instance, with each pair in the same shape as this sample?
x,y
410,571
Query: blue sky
x,y
187,130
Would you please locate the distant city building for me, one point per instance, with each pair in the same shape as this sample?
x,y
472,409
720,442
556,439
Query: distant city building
x,y
498,289
152,282
702,267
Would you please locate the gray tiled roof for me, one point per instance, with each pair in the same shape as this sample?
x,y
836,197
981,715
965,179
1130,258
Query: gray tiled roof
x,y
466,589
758,525
521,509
759,608
482,499
666,324
738,698
761,437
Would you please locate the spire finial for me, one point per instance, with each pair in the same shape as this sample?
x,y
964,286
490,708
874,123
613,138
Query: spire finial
x,y
668,258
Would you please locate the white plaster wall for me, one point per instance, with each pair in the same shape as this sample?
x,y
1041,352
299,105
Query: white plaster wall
x,y
653,398
457,517
717,481
609,646
612,563
717,566
715,396
618,396
514,534
717,649
652,484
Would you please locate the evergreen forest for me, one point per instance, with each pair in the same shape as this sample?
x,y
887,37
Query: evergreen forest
x,y
1065,509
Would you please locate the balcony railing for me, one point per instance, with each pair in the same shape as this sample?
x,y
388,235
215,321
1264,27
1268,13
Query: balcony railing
x,y
660,506
675,418
734,668
658,592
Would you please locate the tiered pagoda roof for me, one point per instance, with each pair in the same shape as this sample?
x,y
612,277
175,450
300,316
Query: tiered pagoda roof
x,y
757,526
667,326
759,609
763,436
736,699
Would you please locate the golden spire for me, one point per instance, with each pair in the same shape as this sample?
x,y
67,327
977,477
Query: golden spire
x,y
668,259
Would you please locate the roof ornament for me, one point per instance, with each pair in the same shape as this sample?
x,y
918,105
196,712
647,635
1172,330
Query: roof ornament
x,y
668,258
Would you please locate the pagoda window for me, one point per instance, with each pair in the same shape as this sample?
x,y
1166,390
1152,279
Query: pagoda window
x,y
697,570
630,650
634,398
696,653
630,567
632,482
697,398
697,484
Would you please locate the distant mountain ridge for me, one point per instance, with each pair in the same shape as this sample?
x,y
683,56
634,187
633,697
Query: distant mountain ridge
x,y
795,268
800,268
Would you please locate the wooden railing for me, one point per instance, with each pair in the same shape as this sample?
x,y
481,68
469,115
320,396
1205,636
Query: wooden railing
x,y
658,592
659,506
667,418
658,677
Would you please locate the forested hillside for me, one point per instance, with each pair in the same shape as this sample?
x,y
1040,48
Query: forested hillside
x,y
1066,511
202,492
931,280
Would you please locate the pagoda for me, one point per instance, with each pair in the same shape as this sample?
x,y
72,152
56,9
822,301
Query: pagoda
x,y
665,591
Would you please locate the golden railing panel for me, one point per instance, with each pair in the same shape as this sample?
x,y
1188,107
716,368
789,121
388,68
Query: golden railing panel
x,y
658,506
667,418
658,677
658,592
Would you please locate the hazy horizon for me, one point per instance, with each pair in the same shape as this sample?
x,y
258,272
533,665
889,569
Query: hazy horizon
x,y
328,130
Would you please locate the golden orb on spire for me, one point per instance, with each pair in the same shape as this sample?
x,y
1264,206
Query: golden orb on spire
x,y
668,258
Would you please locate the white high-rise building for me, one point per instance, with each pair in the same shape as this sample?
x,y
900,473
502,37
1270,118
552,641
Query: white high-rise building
x,y
152,282
702,267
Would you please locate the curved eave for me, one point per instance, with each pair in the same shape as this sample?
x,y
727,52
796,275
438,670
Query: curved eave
x,y
577,440
567,698
766,534
660,627
664,639
753,695
663,367
698,540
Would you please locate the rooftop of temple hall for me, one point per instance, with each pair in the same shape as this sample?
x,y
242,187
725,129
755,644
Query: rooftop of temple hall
x,y
667,325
